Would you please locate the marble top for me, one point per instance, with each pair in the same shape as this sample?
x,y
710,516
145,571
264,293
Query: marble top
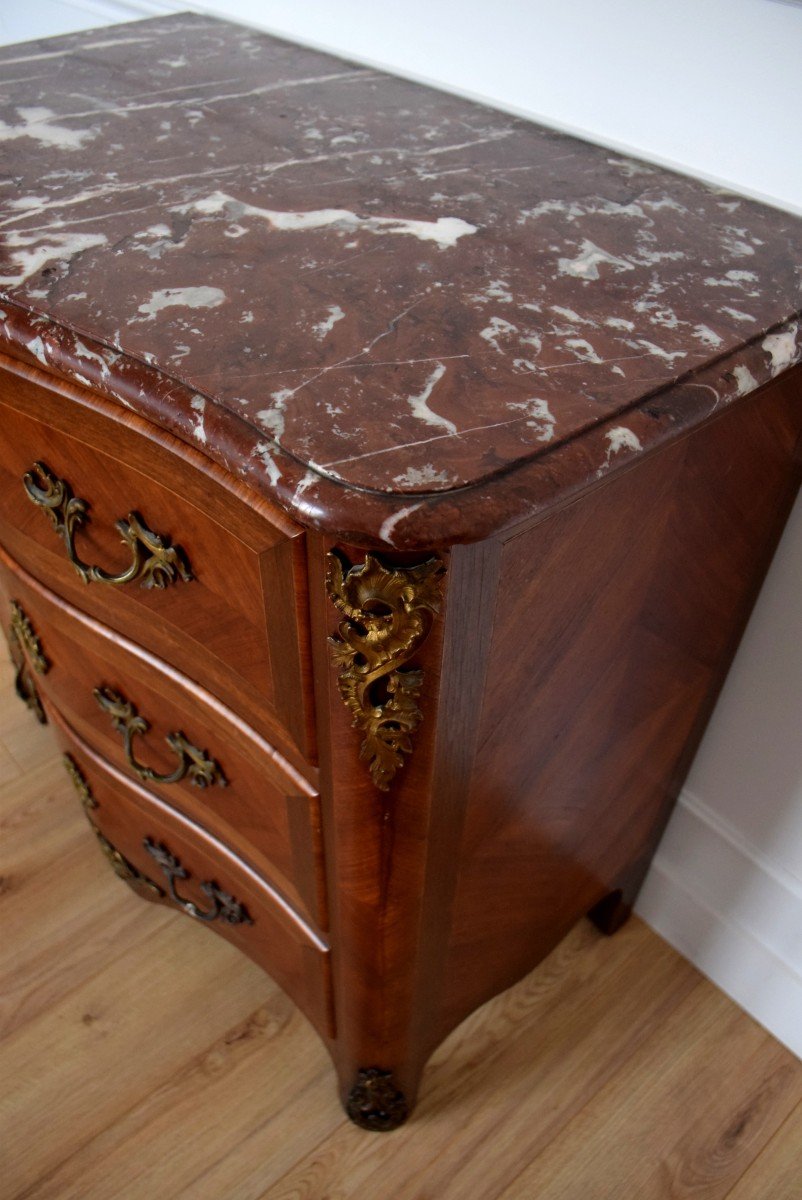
x,y
401,315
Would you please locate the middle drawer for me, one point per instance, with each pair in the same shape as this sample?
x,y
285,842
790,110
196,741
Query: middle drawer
x,y
166,732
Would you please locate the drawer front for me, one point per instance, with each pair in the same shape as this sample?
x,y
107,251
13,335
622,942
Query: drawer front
x,y
148,536
165,857
161,730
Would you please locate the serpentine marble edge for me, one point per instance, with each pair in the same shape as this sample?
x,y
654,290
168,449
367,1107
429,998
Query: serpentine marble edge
x,y
397,313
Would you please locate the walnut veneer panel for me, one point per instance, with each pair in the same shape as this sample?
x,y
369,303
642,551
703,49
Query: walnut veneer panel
x,y
615,620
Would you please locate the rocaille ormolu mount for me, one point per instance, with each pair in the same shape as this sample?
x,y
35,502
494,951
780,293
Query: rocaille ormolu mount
x,y
385,483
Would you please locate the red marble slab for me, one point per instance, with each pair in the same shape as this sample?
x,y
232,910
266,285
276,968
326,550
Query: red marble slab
x,y
400,314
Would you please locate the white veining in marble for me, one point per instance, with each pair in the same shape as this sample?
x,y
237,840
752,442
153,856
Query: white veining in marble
x,y
40,124
186,297
737,315
389,524
265,451
288,259
744,379
540,417
619,439
324,327
658,351
445,231
421,477
30,252
37,349
783,349
707,336
272,419
198,404
420,404
590,258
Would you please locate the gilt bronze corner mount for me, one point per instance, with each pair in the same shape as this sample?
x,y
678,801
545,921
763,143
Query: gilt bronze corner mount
x,y
387,614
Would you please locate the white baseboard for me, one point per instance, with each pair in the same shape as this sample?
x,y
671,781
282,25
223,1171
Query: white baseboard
x,y
736,915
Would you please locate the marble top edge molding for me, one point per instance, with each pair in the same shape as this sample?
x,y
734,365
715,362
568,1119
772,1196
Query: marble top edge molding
x,y
363,516
397,313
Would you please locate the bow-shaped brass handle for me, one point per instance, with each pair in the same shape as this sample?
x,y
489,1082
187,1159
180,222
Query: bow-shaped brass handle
x,y
224,907
154,561
193,764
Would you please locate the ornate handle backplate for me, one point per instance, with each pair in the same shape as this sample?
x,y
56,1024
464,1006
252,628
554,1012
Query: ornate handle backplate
x,y
27,656
387,613
223,906
154,561
193,764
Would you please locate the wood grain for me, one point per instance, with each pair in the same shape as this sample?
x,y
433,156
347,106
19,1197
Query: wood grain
x,y
267,812
141,1057
705,1048
236,627
616,620
777,1170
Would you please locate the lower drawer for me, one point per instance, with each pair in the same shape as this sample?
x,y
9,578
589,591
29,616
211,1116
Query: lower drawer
x,y
168,858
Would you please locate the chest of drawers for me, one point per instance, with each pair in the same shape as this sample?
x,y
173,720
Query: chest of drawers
x,y
384,486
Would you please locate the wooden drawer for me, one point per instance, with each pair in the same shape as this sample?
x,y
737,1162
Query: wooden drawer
x,y
166,857
237,625
214,769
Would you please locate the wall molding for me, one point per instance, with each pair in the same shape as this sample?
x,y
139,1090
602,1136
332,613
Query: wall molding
x,y
737,915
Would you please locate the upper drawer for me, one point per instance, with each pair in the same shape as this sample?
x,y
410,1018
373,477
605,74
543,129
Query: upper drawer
x,y
231,617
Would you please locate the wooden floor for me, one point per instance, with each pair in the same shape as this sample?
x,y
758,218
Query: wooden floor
x,y
142,1057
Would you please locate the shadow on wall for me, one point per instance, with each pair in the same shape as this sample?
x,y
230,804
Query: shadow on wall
x,y
726,884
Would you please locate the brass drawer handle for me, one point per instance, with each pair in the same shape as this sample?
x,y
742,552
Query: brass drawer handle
x,y
224,907
120,865
193,764
27,656
154,562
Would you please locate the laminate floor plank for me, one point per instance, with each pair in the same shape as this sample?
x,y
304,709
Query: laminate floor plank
x,y
62,925
141,1056
9,768
776,1174
62,921
693,1108
485,1084
80,1065
251,1085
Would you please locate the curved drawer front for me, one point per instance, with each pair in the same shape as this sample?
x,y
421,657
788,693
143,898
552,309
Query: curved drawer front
x,y
144,533
167,858
161,730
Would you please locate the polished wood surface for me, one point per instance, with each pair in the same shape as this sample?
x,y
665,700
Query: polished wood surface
x,y
563,677
239,626
615,623
614,1069
565,688
267,812
271,932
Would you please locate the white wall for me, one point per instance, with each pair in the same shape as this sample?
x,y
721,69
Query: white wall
x,y
714,88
